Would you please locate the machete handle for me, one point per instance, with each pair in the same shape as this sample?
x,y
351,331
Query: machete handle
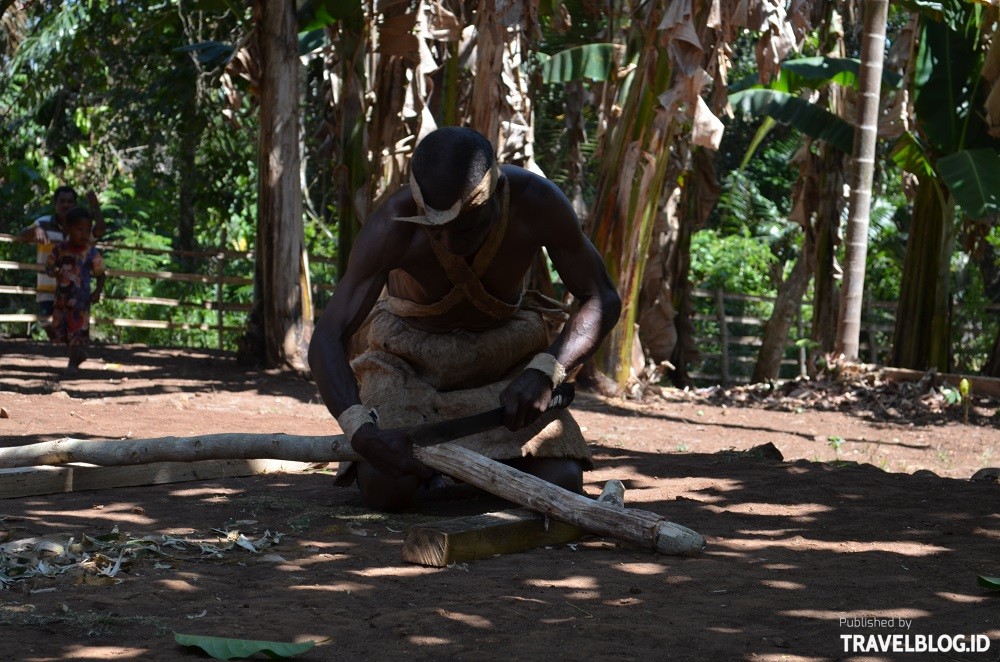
x,y
562,396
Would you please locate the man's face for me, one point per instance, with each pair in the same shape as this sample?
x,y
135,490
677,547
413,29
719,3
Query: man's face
x,y
79,232
465,233
64,202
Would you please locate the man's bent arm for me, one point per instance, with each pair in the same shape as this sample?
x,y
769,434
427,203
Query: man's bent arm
x,y
585,276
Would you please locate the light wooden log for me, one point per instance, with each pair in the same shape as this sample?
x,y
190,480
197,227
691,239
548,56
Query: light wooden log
x,y
639,528
635,527
117,453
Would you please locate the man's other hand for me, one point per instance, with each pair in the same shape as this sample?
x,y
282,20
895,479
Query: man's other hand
x,y
525,399
389,451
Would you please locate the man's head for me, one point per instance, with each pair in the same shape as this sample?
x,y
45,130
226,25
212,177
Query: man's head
x,y
63,200
78,226
453,169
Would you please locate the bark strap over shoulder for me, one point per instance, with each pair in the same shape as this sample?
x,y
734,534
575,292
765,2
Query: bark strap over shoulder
x,y
355,416
548,365
465,278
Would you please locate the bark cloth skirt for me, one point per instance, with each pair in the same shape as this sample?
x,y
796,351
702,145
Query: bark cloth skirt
x,y
411,377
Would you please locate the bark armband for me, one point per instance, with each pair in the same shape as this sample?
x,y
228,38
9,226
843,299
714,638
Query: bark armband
x,y
547,364
355,416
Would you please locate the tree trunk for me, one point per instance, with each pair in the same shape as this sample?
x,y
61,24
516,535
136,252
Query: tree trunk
x,y
190,128
279,210
921,319
992,368
862,173
827,238
352,170
665,326
787,304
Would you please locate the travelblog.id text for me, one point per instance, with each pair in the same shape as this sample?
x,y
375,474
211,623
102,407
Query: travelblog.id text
x,y
905,643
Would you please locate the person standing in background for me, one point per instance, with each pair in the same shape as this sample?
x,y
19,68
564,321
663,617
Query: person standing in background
x,y
46,232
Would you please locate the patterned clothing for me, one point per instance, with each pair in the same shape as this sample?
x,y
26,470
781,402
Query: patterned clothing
x,y
45,284
72,268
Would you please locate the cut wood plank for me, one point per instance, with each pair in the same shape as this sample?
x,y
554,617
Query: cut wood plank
x,y
483,536
37,481
503,532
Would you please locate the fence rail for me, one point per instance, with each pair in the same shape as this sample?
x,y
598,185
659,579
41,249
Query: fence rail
x,y
219,302
728,365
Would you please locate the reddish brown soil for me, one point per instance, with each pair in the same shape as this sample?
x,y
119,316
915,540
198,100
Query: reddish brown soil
x,y
794,546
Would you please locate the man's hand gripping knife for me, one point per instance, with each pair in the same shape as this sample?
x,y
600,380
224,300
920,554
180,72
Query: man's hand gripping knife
x,y
539,388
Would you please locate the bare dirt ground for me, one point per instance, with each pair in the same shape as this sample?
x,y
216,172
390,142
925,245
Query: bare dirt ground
x,y
869,515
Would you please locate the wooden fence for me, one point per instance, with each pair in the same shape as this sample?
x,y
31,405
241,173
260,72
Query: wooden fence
x,y
216,278
733,338
730,325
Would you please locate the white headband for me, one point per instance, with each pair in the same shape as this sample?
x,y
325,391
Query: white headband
x,y
477,196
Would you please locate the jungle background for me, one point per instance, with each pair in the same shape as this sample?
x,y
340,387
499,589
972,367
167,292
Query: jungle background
x,y
707,147
849,494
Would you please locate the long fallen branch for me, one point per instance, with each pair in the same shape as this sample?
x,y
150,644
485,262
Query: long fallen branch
x,y
636,527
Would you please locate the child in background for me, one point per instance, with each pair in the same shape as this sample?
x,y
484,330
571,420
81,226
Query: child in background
x,y
73,263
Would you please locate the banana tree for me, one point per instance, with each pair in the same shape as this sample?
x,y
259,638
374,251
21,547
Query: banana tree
x,y
957,163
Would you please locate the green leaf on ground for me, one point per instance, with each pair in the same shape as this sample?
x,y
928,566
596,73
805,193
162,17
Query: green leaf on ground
x,y
222,648
992,583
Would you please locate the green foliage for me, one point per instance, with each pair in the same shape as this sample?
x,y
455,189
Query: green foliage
x,y
735,263
814,73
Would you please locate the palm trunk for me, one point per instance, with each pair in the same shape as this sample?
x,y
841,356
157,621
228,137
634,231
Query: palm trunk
x,y
352,173
862,173
827,238
628,200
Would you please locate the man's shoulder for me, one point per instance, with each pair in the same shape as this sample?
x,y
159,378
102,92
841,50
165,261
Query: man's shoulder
x,y
525,182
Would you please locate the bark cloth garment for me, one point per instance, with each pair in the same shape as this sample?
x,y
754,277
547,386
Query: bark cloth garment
x,y
411,376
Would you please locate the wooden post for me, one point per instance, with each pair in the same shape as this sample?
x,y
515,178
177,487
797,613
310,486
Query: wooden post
x,y
720,305
802,349
873,347
220,271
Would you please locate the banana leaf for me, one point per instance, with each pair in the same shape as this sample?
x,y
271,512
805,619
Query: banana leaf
x,y
591,61
813,73
910,154
945,71
973,176
797,113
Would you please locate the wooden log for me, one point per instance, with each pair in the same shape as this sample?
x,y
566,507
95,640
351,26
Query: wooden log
x,y
117,453
636,527
987,386
483,536
640,528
